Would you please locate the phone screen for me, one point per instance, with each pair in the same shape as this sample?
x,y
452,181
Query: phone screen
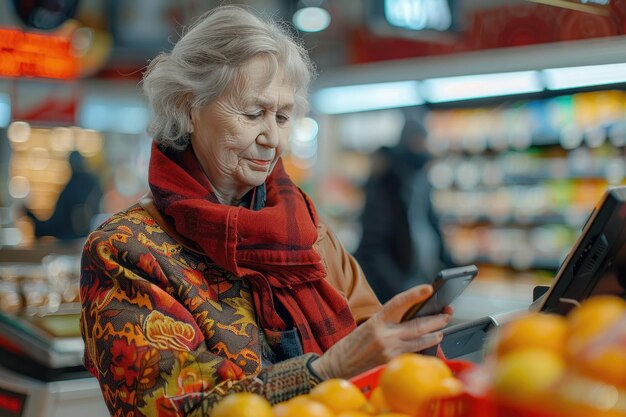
x,y
448,285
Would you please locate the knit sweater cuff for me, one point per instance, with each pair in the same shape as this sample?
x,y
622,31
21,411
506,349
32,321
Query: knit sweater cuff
x,y
286,379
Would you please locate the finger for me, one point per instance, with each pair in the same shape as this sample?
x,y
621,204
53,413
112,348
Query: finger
x,y
394,309
448,310
425,341
419,326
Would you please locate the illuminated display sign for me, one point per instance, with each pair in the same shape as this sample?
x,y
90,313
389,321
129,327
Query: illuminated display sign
x,y
24,54
419,14
414,17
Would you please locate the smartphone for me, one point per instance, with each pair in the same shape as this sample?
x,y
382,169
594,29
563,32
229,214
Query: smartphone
x,y
447,286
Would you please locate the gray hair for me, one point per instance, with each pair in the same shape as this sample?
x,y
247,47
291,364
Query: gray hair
x,y
206,59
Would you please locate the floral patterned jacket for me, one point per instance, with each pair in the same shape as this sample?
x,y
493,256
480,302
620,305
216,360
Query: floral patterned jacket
x,y
168,333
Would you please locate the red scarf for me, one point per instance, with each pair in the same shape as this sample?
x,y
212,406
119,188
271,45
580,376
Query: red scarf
x,y
271,247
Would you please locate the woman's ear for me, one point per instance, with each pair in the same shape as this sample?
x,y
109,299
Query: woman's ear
x,y
192,119
191,111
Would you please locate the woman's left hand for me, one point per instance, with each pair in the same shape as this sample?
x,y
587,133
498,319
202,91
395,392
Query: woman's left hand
x,y
384,336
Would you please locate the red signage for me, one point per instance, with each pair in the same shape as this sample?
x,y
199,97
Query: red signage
x,y
497,27
25,54
11,403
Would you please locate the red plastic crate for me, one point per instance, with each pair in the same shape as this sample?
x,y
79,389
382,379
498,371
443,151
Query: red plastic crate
x,y
458,406
467,405
368,380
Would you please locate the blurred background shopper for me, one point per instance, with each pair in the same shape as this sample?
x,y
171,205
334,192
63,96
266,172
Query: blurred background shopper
x,y
401,243
77,205
223,278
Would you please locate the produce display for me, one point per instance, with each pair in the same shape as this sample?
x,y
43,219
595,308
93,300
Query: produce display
x,y
558,366
405,387
537,365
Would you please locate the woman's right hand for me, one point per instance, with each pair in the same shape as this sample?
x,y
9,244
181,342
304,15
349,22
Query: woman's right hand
x,y
384,337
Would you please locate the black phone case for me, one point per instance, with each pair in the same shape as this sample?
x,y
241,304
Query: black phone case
x,y
448,285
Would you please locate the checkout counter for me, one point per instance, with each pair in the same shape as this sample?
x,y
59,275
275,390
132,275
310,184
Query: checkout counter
x,y
21,396
41,370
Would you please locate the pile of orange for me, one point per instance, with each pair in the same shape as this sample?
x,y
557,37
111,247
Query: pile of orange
x,y
406,385
529,355
597,339
542,355
577,362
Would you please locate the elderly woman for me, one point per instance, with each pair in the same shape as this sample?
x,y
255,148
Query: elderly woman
x,y
223,278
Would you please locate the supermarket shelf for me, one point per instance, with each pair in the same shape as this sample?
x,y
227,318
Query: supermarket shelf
x,y
508,219
535,177
611,134
37,251
550,264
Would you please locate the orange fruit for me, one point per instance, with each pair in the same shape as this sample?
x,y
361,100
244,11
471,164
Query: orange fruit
x,y
594,315
605,363
338,395
243,404
523,373
532,330
410,380
442,369
353,413
449,387
302,407
377,401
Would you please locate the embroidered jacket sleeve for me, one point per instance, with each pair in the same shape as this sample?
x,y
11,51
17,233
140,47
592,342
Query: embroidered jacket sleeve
x,y
150,345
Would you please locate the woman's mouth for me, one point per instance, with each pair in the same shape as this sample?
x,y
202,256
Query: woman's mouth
x,y
261,162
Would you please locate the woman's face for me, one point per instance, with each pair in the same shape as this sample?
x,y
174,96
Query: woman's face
x,y
239,137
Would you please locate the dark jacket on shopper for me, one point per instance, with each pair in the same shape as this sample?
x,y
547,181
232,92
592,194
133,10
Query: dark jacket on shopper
x,y
401,243
77,204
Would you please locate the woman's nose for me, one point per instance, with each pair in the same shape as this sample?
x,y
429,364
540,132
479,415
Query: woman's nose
x,y
269,134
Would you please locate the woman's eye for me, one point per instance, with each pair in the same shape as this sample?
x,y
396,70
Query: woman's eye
x,y
253,116
282,118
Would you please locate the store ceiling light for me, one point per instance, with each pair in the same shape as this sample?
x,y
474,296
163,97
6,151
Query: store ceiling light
x,y
5,110
19,131
586,76
364,97
306,130
466,87
109,115
419,14
311,19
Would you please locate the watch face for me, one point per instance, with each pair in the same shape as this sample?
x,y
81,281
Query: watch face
x,y
45,14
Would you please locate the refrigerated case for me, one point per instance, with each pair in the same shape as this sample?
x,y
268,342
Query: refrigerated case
x,y
515,183
41,371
